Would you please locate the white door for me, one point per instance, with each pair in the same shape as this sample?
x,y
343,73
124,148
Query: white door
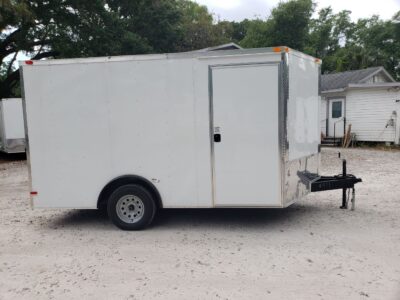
x,y
336,117
246,135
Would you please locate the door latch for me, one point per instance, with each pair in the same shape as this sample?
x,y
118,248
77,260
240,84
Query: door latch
x,y
217,135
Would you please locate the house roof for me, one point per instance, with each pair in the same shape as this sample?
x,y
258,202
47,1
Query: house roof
x,y
229,46
338,81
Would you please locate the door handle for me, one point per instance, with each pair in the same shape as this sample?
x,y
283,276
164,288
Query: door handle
x,y
217,138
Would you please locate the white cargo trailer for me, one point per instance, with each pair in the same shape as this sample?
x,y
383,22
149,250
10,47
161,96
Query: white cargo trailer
x,y
191,130
12,131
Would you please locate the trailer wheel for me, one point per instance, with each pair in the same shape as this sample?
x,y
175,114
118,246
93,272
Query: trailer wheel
x,y
131,207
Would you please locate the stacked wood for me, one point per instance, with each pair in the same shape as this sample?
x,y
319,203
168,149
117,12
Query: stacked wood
x,y
347,137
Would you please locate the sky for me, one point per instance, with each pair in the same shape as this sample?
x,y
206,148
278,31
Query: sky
x,y
237,10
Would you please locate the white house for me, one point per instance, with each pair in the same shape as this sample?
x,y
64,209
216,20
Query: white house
x,y
367,99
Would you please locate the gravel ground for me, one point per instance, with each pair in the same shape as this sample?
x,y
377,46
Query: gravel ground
x,y
312,250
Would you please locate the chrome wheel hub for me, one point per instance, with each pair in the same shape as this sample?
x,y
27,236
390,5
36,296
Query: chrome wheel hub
x,y
130,209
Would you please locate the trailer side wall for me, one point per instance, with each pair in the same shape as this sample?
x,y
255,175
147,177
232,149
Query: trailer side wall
x,y
91,121
12,129
303,134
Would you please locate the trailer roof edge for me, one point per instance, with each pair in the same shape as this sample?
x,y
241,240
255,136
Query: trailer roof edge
x,y
143,57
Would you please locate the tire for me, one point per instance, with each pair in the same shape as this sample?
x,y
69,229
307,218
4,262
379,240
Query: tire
x,y
131,207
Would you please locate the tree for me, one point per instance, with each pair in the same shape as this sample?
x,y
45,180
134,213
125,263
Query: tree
x,y
366,43
42,29
257,34
240,30
321,42
378,43
327,33
287,25
199,28
290,23
155,23
73,28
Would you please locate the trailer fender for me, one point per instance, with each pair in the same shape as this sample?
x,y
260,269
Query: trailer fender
x,y
124,180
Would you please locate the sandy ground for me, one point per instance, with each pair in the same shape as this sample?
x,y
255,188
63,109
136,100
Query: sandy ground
x,y
312,250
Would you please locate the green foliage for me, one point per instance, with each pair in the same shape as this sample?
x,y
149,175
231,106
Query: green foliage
x,y
342,44
12,13
200,30
74,28
256,35
239,30
197,26
290,23
346,45
153,24
287,25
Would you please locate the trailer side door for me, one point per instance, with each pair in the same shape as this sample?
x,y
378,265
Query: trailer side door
x,y
245,135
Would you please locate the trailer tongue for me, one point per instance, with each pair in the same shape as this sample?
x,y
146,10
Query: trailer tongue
x,y
344,182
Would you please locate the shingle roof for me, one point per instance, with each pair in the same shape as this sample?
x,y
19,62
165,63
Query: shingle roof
x,y
229,46
342,80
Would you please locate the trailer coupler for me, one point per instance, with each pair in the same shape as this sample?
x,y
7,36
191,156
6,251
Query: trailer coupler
x,y
344,182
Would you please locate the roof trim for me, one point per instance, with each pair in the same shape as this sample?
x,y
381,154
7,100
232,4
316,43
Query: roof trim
x,y
364,86
373,85
334,91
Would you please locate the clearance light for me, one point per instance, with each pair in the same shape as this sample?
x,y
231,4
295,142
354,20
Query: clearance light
x,y
29,62
281,49
34,193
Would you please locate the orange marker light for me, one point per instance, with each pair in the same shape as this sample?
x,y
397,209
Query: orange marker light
x,y
281,49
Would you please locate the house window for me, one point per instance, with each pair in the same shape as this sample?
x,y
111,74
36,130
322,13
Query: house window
x,y
336,109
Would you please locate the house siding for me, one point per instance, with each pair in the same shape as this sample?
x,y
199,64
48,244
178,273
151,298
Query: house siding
x,y
377,79
369,111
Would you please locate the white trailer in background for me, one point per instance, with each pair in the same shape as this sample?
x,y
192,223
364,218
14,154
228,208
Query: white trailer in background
x,y
192,130
12,131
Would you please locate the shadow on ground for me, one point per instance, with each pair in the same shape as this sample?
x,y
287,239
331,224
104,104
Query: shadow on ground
x,y
4,157
194,218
